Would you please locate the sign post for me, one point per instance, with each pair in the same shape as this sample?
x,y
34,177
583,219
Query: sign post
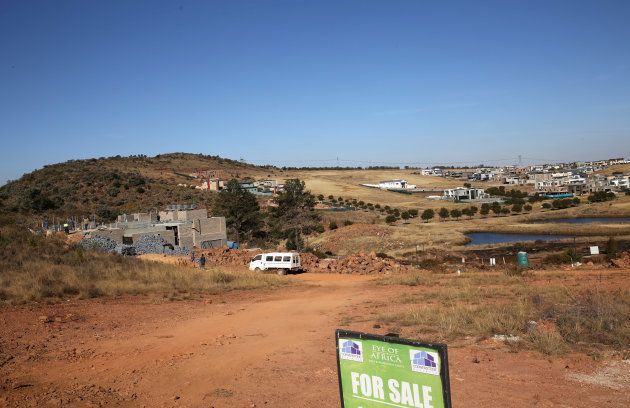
x,y
380,372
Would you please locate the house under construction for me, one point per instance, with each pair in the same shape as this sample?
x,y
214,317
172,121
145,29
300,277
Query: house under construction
x,y
179,225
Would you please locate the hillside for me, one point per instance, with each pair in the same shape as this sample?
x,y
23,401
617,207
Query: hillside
x,y
107,186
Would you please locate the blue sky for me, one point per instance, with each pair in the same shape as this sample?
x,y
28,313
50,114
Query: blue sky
x,y
304,82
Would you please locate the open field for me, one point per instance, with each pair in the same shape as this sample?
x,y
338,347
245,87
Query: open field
x,y
255,348
371,233
346,183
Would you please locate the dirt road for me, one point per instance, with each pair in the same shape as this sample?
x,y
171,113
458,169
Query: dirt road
x,y
252,349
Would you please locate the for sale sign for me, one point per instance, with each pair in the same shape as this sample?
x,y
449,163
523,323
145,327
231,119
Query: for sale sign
x,y
380,371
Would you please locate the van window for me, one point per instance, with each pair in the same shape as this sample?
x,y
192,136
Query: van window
x,y
287,259
257,258
269,258
278,259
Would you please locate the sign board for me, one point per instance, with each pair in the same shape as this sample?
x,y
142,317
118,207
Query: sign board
x,y
388,372
594,250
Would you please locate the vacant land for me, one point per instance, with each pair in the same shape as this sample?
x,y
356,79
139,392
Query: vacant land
x,y
256,348
347,184
370,232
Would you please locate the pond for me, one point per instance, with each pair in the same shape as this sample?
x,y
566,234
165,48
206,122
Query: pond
x,y
481,238
585,220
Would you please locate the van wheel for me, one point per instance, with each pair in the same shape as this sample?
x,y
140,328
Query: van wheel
x,y
257,270
282,272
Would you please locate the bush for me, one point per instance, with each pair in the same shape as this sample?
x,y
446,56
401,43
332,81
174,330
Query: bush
x,y
601,196
390,219
347,223
332,225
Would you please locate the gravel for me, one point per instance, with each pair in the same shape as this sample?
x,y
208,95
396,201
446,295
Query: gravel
x,y
147,244
99,243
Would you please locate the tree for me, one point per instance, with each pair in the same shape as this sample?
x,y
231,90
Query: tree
x,y
601,196
517,208
505,211
485,209
546,206
330,197
427,214
390,219
467,185
496,208
240,209
320,197
456,213
527,207
443,213
413,213
473,210
466,212
404,215
332,225
294,212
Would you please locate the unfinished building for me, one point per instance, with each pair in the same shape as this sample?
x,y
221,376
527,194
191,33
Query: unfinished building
x,y
184,226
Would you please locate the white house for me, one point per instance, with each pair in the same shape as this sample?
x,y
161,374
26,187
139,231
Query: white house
x,y
395,184
463,193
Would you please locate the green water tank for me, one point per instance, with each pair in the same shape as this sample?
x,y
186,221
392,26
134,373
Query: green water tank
x,y
522,260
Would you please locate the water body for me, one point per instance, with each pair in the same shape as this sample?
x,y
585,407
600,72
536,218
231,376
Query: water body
x,y
481,238
585,220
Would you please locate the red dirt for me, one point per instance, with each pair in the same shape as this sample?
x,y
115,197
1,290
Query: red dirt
x,y
247,349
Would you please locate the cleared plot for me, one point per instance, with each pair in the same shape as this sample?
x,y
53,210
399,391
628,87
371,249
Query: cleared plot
x,y
347,184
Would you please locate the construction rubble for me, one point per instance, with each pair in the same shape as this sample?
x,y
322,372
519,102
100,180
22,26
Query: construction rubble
x,y
361,263
623,261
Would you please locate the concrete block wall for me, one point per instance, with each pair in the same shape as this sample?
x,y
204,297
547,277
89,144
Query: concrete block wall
x,y
115,234
168,235
185,235
190,215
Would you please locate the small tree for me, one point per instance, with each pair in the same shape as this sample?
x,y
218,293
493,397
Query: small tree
x,y
443,213
485,209
467,185
390,219
332,225
413,213
330,197
517,208
456,213
496,208
576,200
404,215
611,248
466,212
320,197
527,207
427,214
473,210
505,211
546,206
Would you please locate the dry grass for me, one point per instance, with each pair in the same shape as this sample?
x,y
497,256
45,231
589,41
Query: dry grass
x,y
482,305
34,268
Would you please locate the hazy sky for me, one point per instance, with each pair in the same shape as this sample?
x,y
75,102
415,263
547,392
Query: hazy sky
x,y
304,82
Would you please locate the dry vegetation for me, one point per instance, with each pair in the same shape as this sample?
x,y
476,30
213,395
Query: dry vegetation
x,y
548,312
35,268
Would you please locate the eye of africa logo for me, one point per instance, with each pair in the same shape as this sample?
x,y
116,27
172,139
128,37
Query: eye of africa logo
x,y
351,350
424,362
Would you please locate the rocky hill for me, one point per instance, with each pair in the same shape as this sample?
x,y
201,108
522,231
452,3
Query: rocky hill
x,y
104,187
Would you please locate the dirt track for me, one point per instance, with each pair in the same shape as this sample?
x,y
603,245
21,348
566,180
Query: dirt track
x,y
252,349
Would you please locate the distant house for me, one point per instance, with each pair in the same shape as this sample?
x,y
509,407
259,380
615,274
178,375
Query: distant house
x,y
397,184
464,194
